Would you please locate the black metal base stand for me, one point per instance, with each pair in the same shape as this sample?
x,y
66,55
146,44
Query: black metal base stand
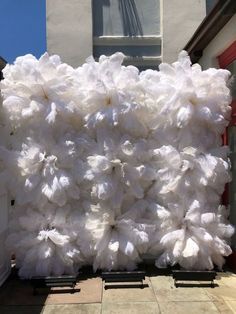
x,y
193,275
51,281
118,279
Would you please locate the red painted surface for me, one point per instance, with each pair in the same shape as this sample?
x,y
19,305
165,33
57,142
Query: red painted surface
x,y
227,57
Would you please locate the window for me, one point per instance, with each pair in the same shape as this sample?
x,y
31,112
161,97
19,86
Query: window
x,y
129,26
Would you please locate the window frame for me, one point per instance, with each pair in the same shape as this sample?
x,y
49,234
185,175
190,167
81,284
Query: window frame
x,y
141,40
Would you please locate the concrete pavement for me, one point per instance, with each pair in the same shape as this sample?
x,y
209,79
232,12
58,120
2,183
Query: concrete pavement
x,y
159,296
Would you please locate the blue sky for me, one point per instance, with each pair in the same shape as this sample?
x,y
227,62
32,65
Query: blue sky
x,y
22,27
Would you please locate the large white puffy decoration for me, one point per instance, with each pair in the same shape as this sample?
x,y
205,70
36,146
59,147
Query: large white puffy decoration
x,y
107,165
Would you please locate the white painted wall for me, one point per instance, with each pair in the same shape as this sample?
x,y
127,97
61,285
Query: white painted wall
x,y
69,29
5,265
179,21
221,41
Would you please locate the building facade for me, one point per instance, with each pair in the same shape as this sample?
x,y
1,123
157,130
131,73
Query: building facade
x,y
147,32
214,45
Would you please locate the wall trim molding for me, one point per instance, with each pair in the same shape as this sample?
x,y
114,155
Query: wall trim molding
x,y
221,13
127,41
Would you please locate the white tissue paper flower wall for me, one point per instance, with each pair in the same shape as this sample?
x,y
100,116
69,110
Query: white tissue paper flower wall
x,y
107,165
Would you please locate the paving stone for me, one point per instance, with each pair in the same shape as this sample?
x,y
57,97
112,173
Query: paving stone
x,y
21,293
129,294
222,293
165,291
188,307
131,308
16,297
219,280
226,274
231,305
162,282
223,307
90,292
229,281
11,309
73,309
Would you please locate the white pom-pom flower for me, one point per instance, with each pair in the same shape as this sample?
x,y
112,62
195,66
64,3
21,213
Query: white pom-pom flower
x,y
106,164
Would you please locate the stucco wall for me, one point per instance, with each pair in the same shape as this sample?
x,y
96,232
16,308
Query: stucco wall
x,y
180,20
69,29
221,41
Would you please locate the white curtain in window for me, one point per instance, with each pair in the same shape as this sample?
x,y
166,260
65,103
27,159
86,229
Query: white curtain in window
x,y
126,17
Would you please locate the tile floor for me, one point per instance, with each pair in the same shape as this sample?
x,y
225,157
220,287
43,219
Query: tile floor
x,y
159,296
